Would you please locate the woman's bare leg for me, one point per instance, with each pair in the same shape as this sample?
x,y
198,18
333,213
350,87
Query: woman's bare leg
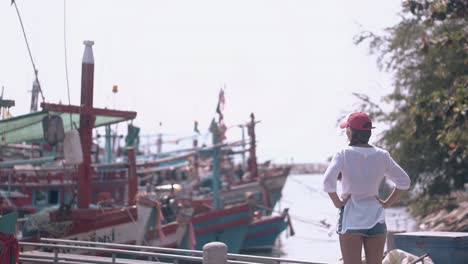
x,y
351,247
374,249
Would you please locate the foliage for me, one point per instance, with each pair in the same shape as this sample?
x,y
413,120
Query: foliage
x,y
427,52
426,205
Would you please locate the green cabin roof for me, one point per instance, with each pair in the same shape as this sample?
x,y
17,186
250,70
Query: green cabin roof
x,y
28,127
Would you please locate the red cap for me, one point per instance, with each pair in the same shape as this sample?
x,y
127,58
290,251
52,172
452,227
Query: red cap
x,y
359,121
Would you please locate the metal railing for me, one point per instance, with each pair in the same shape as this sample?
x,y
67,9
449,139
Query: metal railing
x,y
136,251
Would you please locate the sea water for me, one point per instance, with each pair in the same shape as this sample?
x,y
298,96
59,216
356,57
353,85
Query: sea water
x,y
314,221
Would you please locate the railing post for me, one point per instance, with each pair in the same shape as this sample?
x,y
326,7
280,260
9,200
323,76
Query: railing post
x,y
215,253
55,255
113,258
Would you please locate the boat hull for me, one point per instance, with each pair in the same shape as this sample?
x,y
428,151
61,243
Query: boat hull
x,y
266,192
262,233
228,225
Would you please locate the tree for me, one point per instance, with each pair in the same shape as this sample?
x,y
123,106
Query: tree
x,y
427,52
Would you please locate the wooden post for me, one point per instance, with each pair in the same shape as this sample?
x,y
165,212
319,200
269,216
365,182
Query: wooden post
x,y
132,176
215,253
86,126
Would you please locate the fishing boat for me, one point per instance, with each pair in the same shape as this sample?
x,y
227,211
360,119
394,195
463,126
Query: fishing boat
x,y
106,209
264,231
259,191
264,182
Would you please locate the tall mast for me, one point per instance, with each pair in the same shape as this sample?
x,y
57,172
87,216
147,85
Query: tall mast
x,y
86,125
87,118
216,161
242,127
252,162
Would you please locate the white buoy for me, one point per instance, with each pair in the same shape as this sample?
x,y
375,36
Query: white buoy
x,y
215,253
72,152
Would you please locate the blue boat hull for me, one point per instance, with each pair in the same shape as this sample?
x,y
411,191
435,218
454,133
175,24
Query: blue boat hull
x,y
263,233
228,225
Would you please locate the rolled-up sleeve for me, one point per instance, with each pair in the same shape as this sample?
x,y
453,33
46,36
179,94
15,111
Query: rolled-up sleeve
x,y
396,174
332,172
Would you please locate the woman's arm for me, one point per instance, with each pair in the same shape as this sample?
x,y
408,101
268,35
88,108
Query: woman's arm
x,y
394,196
331,174
336,200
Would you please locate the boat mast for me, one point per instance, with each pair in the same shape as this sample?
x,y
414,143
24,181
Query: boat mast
x,y
86,125
216,157
242,127
252,161
107,146
87,118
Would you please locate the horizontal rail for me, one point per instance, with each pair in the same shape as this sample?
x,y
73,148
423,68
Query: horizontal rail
x,y
269,259
121,251
116,245
73,258
103,166
240,257
110,250
26,161
35,260
157,169
163,160
21,146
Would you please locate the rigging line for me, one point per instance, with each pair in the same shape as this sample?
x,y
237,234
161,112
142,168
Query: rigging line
x,y
29,50
66,57
312,189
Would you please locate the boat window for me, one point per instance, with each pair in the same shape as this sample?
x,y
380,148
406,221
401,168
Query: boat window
x,y
53,197
40,197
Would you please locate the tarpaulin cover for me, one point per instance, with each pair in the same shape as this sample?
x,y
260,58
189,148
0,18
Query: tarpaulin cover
x,y
28,127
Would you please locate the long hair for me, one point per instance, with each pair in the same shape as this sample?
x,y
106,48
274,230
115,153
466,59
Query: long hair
x,y
359,137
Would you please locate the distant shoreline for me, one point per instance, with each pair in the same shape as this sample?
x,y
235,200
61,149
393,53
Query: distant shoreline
x,y
307,168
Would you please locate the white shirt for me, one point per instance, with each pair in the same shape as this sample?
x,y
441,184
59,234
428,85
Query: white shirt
x,y
362,170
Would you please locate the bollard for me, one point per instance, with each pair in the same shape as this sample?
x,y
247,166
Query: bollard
x,y
215,253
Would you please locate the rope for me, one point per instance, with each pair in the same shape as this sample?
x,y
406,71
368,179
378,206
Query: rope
x,y
66,57
295,217
307,186
29,50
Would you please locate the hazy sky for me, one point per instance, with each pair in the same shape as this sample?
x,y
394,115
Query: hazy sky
x,y
293,63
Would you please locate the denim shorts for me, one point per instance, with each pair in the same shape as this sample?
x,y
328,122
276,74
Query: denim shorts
x,y
377,229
